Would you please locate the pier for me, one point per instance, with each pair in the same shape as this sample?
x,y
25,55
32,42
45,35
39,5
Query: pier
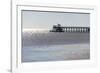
x,y
60,28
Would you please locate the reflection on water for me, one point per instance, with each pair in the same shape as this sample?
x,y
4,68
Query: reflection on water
x,y
50,46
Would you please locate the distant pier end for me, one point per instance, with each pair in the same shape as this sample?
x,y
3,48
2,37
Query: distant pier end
x,y
59,28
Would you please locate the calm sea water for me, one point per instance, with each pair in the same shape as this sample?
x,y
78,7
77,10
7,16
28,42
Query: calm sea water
x,y
40,46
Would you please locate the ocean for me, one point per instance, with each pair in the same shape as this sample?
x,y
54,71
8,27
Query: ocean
x,y
41,46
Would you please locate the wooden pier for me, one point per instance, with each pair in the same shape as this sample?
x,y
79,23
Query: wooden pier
x,y
70,29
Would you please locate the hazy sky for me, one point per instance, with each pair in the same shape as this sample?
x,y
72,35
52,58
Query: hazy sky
x,y
45,20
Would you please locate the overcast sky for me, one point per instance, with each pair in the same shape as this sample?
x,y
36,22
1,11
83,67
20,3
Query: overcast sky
x,y
45,20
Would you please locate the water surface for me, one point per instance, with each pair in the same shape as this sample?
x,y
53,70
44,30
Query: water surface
x,y
40,46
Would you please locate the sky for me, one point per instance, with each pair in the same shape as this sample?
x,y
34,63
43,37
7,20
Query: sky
x,y
45,20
